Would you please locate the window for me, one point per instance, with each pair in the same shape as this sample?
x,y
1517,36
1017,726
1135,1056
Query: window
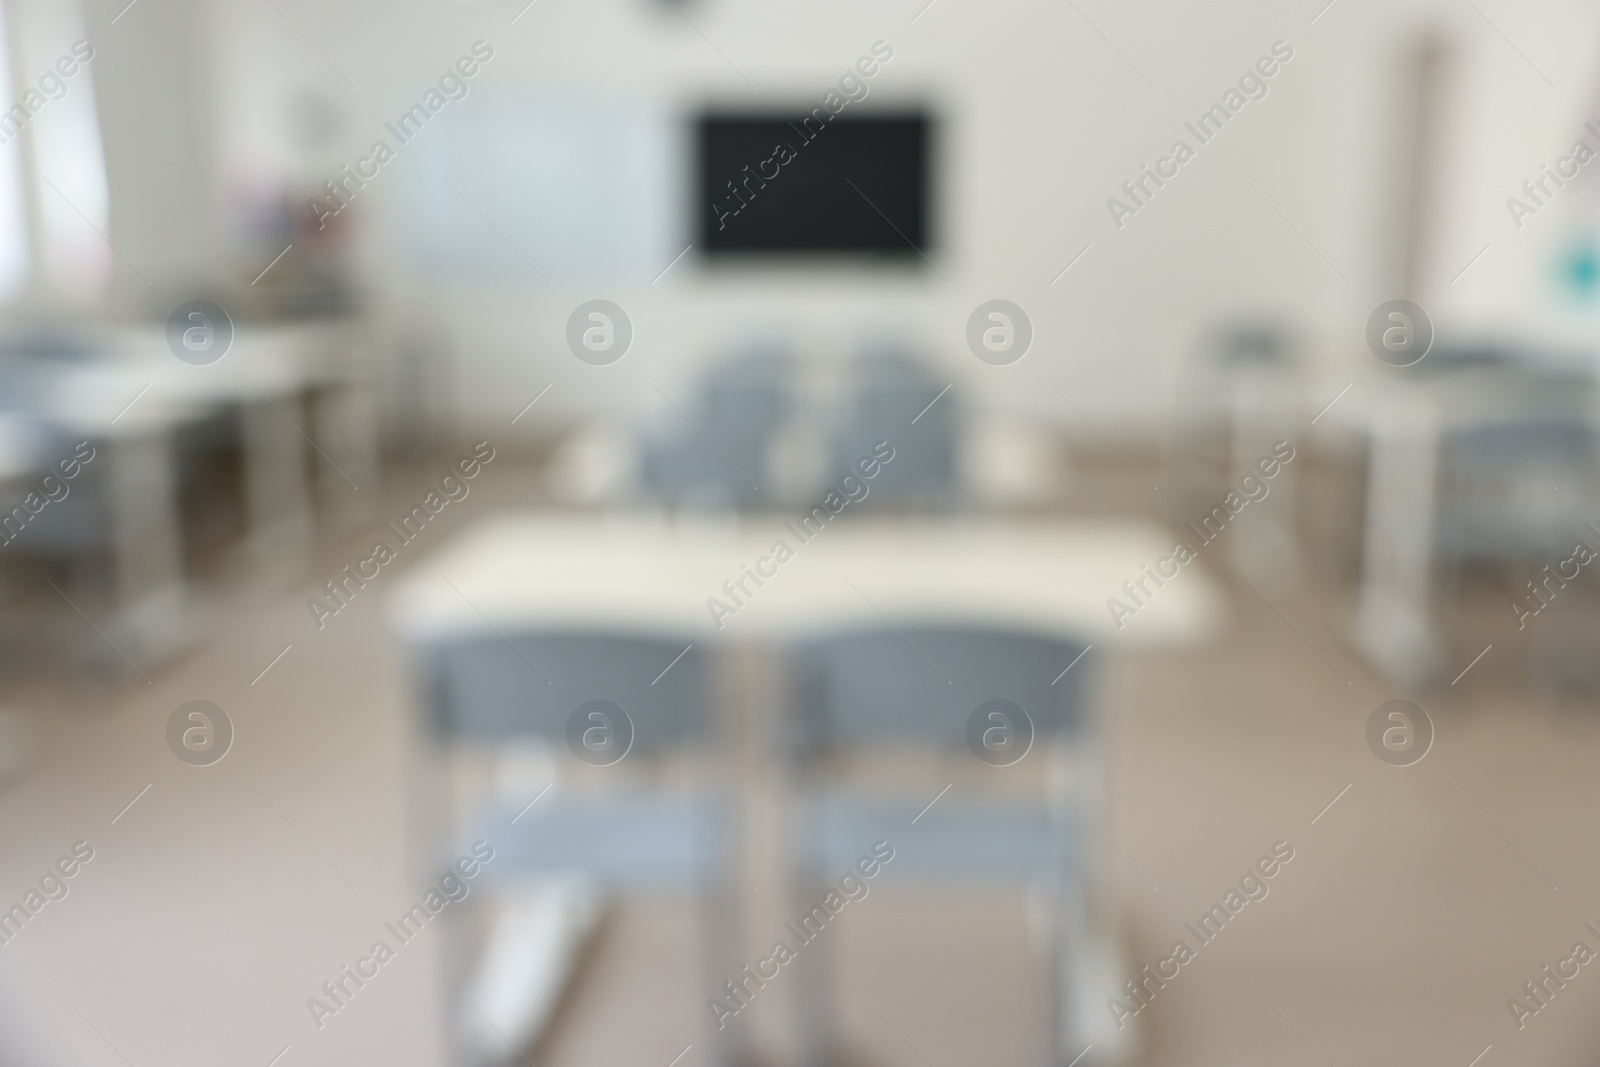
x,y
69,160
13,204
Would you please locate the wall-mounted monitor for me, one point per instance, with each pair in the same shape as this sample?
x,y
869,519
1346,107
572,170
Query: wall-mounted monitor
x,y
792,183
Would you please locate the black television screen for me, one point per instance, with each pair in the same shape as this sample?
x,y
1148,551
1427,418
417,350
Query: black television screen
x,y
790,183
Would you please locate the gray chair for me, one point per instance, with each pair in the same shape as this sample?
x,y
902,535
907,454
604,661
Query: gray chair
x,y
497,687
890,401
1495,501
1236,395
1227,390
920,688
739,407
1518,482
1520,464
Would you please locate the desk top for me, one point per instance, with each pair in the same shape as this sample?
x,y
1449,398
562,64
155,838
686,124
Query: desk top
x,y
92,396
535,569
1413,401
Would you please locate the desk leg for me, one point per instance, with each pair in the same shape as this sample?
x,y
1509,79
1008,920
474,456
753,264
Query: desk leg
x,y
277,502
149,616
1263,545
344,425
1394,627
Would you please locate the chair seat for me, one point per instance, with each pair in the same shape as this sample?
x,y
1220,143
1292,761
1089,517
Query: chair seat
x,y
953,843
627,842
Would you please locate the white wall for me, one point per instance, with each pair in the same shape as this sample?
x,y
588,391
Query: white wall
x,y
1042,120
154,72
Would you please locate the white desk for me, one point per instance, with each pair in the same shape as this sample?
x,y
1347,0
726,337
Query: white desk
x,y
134,400
1407,419
541,569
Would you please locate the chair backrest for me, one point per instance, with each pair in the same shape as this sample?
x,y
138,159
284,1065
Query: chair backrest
x,y
739,408
528,683
1500,471
890,402
1500,499
750,393
919,686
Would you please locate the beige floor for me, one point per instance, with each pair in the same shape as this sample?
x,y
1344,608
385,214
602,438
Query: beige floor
x,y
222,899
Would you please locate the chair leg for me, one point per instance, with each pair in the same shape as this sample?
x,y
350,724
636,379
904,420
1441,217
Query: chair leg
x,y
1070,951
1054,981
719,948
814,1014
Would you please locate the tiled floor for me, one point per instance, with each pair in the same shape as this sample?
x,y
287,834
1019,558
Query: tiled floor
x,y
1413,908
